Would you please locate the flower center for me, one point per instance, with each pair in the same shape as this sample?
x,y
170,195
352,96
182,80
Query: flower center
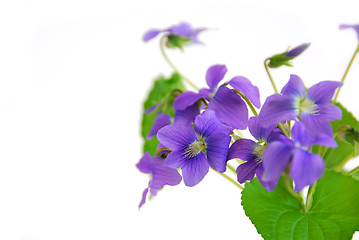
x,y
305,105
196,147
259,151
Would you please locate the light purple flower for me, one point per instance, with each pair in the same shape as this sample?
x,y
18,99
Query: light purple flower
x,y
295,52
229,106
161,174
183,30
252,152
312,107
195,148
305,167
354,27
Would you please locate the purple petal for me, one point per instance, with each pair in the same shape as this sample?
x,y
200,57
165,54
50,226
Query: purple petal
x,y
194,35
322,93
151,109
160,121
354,27
176,136
217,150
145,163
195,170
230,108
306,168
269,185
243,85
183,29
143,200
297,50
163,175
177,159
207,123
242,149
275,159
258,132
151,34
188,115
277,108
294,87
317,130
187,99
246,171
330,111
215,74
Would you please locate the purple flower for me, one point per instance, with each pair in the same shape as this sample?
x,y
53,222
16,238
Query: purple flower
x,y
161,174
312,107
295,52
355,27
229,107
182,30
195,148
252,152
305,167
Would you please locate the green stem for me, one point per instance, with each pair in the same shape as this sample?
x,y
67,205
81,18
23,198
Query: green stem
x,y
309,201
229,179
162,43
247,101
291,191
346,72
269,75
232,169
353,171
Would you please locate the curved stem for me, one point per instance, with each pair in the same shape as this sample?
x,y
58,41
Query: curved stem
x,y
346,72
269,75
281,127
172,65
229,179
247,101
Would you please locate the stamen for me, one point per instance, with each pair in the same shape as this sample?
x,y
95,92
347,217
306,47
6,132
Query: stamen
x,y
196,147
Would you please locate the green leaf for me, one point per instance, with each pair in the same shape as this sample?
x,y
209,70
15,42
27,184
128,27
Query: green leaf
x,y
163,93
336,157
278,215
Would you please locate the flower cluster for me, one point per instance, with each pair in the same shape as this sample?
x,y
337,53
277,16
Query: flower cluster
x,y
202,132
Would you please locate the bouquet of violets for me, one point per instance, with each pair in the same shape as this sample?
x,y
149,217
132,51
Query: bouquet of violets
x,y
292,178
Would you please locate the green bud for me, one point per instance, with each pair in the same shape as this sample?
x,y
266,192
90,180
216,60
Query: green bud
x,y
175,41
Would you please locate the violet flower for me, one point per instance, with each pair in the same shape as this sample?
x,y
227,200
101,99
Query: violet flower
x,y
182,30
161,174
195,148
354,27
229,107
312,107
305,167
284,58
252,152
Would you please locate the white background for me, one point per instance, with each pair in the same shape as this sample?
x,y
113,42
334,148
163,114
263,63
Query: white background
x,y
73,75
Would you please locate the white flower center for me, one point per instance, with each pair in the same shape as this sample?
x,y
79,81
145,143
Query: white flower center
x,y
305,105
196,147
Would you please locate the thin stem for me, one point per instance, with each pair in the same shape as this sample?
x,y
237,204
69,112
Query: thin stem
x,y
229,179
346,72
291,191
231,168
247,101
309,201
353,171
162,43
269,75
